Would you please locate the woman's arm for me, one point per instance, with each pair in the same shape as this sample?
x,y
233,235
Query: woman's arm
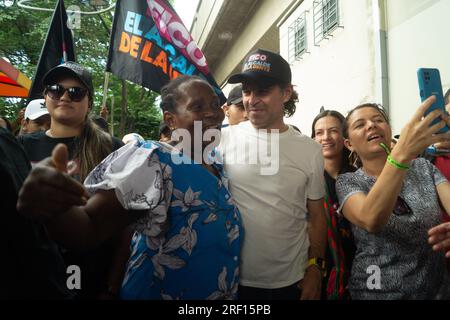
x,y
118,265
372,211
443,190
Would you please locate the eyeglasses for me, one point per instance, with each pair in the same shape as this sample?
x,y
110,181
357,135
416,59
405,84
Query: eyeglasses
x,y
56,91
401,208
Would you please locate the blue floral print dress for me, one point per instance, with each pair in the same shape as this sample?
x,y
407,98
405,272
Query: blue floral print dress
x,y
187,244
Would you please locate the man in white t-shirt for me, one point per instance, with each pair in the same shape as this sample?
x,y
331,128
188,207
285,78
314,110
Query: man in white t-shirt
x,y
276,178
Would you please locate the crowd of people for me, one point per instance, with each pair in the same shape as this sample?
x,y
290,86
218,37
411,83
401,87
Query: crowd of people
x,y
258,212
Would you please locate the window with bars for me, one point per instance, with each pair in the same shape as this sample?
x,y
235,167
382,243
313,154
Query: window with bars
x,y
330,15
297,38
326,18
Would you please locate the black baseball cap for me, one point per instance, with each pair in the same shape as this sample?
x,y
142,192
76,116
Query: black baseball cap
x,y
72,69
264,64
235,96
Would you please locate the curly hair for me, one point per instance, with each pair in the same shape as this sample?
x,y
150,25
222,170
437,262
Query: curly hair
x,y
170,93
290,106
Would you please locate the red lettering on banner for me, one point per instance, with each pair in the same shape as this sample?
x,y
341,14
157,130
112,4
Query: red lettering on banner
x,y
179,34
171,28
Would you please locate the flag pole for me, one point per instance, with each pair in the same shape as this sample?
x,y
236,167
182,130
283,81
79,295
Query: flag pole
x,y
105,88
64,49
112,115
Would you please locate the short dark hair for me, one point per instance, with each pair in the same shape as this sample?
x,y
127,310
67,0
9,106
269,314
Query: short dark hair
x,y
170,93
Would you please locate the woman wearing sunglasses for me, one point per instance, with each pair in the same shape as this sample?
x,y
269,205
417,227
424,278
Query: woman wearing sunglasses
x,y
69,98
393,201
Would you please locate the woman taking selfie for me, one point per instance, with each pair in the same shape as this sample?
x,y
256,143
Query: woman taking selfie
x,y
393,202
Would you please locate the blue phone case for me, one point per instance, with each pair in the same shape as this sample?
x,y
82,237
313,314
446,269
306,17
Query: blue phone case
x,y
430,84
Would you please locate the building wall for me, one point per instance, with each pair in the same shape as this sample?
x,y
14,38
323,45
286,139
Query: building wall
x,y
340,72
259,29
373,57
204,20
418,36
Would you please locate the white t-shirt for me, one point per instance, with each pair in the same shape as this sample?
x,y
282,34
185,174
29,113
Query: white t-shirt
x,y
271,196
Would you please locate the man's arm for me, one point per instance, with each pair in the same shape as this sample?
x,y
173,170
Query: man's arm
x,y
311,284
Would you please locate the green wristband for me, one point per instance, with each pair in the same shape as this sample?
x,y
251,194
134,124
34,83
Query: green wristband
x,y
397,164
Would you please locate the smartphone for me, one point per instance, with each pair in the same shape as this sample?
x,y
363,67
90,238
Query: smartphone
x,y
437,152
430,84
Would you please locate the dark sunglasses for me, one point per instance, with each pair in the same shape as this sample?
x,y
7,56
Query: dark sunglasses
x,y
56,91
401,208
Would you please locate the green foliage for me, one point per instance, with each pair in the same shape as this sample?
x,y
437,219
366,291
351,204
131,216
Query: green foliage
x,y
22,36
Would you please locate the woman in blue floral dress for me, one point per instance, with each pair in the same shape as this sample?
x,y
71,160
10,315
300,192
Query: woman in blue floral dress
x,y
187,229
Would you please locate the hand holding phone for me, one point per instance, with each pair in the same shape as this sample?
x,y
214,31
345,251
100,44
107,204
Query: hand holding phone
x,y
430,84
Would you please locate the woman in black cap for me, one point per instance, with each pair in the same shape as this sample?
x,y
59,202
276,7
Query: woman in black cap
x,y
69,98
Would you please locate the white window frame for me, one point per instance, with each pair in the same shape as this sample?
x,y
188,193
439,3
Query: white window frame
x,y
326,18
297,38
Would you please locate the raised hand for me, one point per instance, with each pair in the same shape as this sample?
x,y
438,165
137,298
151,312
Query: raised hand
x,y
49,190
418,134
439,238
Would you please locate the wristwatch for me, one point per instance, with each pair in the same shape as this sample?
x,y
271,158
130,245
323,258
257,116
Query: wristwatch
x,y
319,263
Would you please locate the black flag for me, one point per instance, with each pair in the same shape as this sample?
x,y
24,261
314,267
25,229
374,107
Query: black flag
x,y
58,48
150,46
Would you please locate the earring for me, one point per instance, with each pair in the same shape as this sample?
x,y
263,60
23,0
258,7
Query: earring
x,y
227,114
354,159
